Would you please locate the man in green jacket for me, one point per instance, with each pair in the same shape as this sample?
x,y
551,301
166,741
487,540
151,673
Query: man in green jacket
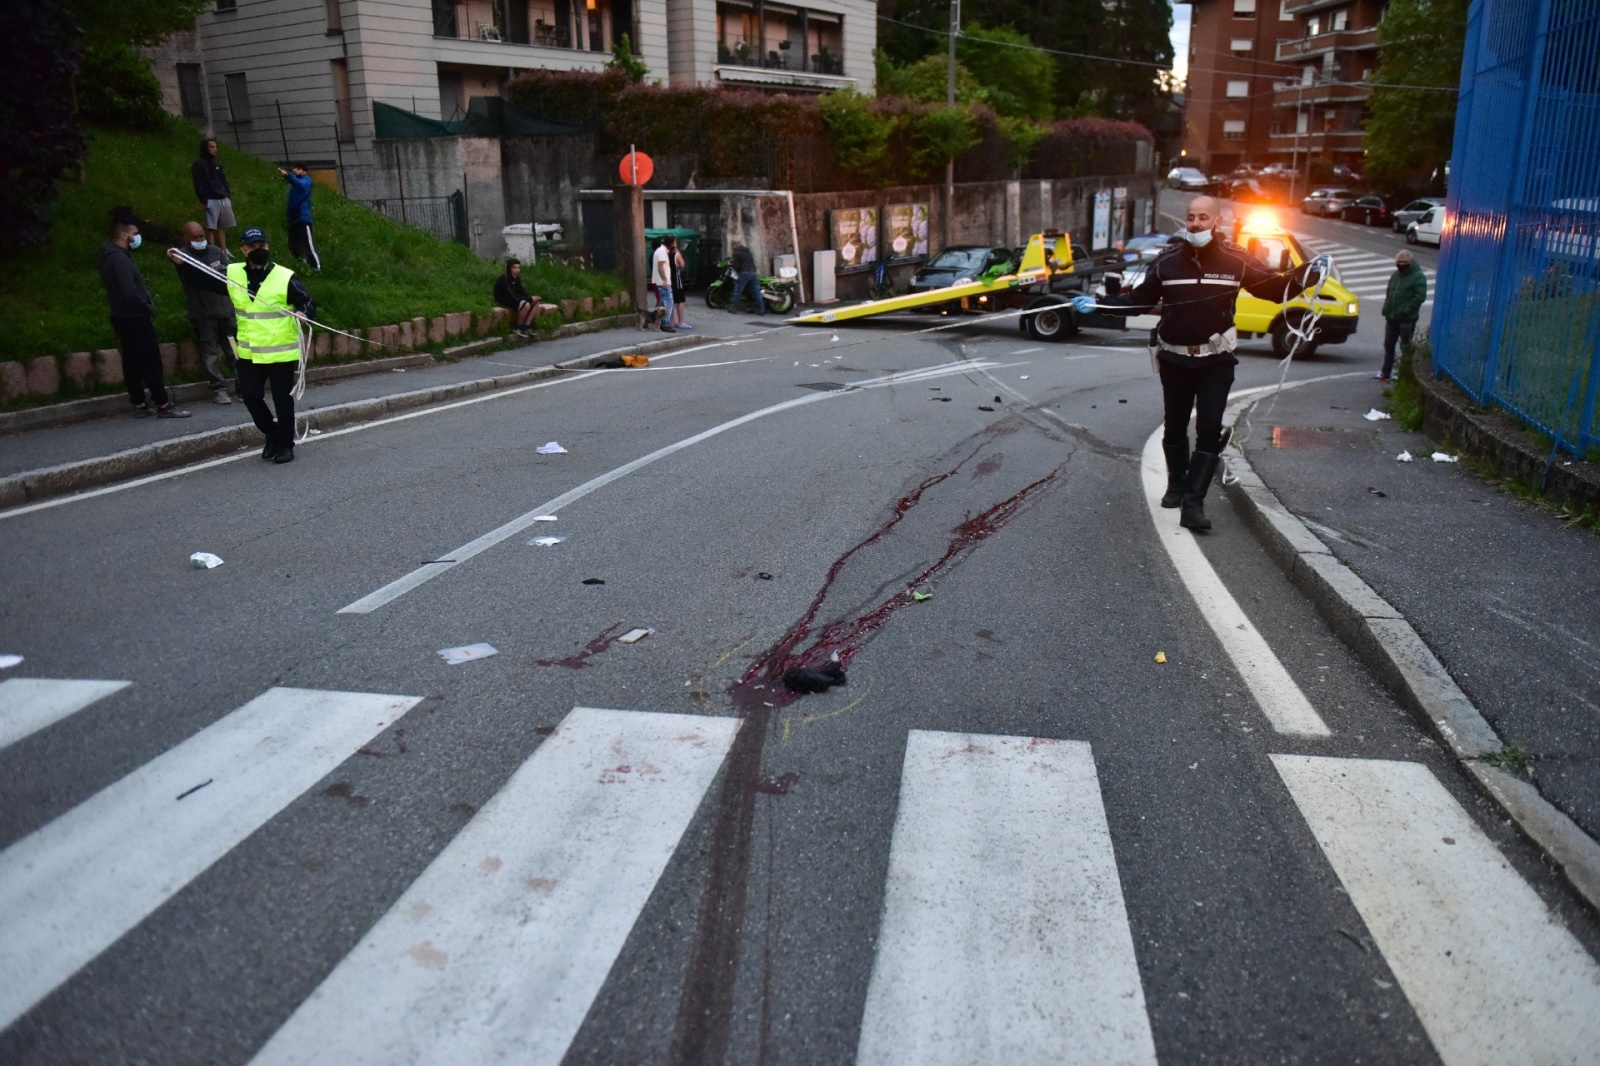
x,y
1408,291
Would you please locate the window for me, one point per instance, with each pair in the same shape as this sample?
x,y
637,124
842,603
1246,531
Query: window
x,y
238,98
1241,46
1313,26
1238,90
1244,9
1283,11
344,121
335,18
779,37
1341,20
226,6
1233,129
191,91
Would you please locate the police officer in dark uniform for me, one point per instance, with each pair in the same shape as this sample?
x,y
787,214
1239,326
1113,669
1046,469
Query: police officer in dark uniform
x,y
1196,281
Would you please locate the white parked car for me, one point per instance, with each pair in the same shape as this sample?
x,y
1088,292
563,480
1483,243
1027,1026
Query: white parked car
x,y
1427,229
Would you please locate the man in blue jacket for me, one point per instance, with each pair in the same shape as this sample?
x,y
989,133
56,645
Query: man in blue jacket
x,y
301,244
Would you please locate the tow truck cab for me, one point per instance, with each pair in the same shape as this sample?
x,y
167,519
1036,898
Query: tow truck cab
x,y
1277,249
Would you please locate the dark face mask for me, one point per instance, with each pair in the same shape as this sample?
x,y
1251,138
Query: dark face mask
x,y
259,257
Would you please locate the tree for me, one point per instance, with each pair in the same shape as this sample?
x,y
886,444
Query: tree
x,y
1119,45
115,86
1018,79
39,136
1410,126
624,62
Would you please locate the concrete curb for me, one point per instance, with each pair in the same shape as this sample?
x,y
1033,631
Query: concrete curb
x,y
1393,650
33,485
115,404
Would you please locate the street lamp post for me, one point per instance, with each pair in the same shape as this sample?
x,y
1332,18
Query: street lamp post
x,y
950,101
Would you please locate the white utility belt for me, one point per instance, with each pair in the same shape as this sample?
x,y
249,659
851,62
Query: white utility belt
x,y
1219,344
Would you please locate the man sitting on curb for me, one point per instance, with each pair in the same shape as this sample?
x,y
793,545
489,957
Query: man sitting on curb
x,y
510,293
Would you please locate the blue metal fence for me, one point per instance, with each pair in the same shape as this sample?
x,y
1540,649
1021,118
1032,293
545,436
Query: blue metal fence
x,y
1516,318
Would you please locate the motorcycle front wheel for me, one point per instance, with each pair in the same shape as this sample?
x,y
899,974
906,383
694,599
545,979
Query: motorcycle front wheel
x,y
719,294
779,301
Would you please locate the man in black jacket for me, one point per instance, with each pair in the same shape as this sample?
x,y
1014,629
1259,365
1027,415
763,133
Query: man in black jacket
x,y
131,311
1197,282
211,189
510,293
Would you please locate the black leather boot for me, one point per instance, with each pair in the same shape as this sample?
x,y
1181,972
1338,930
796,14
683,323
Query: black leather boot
x,y
1201,467
1177,471
270,450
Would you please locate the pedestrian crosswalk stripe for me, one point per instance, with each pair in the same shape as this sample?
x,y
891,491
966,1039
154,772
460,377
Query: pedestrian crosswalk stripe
x,y
28,704
497,951
1491,973
71,888
1004,935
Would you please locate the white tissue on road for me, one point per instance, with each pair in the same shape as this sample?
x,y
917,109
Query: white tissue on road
x,y
546,542
1375,415
204,561
1441,457
8,661
544,518
1404,457
551,449
834,339
467,653
634,636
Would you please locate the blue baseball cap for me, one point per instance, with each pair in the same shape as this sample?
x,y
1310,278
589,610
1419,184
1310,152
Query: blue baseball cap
x,y
252,236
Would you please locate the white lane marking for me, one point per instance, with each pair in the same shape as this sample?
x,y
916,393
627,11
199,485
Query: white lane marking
x,y
496,952
1026,351
1491,972
71,888
1285,706
28,704
360,427
1004,935
428,571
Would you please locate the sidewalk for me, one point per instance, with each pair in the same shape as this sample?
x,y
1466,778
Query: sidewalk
x,y
1503,592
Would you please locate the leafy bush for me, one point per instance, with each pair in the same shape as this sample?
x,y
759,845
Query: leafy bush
x,y
941,135
860,134
116,88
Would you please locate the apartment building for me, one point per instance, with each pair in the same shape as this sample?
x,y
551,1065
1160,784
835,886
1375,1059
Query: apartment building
x,y
1278,81
298,78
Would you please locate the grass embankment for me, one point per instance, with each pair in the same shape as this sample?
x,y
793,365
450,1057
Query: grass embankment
x,y
374,272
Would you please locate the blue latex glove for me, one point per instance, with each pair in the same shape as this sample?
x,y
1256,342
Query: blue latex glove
x,y
1323,265
1083,304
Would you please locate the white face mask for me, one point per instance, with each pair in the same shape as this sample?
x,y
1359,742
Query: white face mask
x,y
138,239
1199,240
198,246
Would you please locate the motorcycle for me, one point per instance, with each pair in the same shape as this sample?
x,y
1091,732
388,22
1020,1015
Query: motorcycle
x,y
777,293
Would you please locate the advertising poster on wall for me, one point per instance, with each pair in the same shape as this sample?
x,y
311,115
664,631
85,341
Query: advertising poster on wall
x,y
907,228
1119,214
853,234
1102,220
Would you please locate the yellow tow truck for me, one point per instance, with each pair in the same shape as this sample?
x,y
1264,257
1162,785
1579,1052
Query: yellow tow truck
x,y
1045,280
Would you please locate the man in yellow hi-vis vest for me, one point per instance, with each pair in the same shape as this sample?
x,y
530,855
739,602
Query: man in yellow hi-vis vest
x,y
269,302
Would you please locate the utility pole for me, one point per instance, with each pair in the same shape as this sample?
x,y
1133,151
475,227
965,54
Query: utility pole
x,y
950,101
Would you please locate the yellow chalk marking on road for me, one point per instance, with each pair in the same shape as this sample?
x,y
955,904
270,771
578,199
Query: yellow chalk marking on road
x,y
793,720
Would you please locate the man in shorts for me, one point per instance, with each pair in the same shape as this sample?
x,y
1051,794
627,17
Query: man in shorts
x,y
211,189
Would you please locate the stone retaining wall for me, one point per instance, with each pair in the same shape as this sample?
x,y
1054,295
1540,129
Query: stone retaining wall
x,y
78,372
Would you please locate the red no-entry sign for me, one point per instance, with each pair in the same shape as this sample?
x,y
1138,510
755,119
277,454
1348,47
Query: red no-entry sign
x,y
636,168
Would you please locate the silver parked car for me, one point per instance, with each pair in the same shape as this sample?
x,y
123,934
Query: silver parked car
x,y
1317,202
1404,216
1189,179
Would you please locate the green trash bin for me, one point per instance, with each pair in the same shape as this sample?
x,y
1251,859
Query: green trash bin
x,y
688,244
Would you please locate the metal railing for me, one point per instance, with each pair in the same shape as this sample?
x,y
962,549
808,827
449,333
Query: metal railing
x,y
443,216
1517,312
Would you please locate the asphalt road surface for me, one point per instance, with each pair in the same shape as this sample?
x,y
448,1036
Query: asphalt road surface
x,y
1108,793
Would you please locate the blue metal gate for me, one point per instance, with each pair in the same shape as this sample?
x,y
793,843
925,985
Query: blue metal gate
x,y
1516,319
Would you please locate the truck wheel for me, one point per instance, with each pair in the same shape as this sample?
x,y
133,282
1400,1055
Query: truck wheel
x,y
1055,323
718,295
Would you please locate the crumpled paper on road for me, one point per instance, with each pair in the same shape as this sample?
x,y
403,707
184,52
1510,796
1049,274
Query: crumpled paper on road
x,y
204,561
467,653
1403,457
1442,457
551,449
1375,415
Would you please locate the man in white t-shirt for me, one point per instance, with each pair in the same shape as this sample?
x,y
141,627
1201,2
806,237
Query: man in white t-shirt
x,y
661,278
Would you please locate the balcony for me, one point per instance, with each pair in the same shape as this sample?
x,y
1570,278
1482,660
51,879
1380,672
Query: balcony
x,y
1318,93
589,26
797,45
1332,41
1333,140
1306,7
